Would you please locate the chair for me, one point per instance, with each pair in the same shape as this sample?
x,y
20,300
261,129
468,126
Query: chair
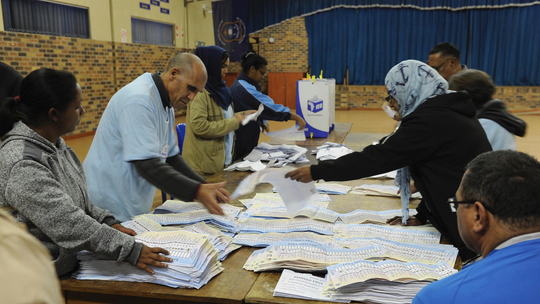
x,y
181,133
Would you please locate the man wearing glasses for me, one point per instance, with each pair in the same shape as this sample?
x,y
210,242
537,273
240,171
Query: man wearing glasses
x,y
444,58
498,214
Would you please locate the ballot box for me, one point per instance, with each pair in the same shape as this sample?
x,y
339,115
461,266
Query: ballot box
x,y
315,103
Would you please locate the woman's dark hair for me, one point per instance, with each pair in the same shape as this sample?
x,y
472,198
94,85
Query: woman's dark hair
x,y
477,83
224,58
41,91
250,59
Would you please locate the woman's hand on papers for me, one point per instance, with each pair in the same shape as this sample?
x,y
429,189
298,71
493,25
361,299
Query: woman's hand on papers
x,y
302,175
124,229
151,256
210,195
412,221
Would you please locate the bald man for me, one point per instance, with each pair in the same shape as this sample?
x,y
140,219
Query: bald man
x,y
135,148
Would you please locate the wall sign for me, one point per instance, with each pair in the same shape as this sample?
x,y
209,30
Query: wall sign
x,y
164,10
154,2
144,5
123,33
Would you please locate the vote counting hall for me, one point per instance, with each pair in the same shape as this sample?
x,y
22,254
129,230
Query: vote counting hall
x,y
235,151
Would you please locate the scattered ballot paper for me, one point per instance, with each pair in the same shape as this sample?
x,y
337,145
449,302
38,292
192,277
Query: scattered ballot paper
x,y
295,195
254,116
246,166
292,134
302,286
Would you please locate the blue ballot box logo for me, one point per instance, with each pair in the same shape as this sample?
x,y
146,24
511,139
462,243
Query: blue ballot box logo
x,y
315,105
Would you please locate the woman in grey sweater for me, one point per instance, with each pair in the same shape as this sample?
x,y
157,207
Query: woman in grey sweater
x,y
42,181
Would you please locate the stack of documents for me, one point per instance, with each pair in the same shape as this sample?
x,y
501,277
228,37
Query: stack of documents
x,y
246,166
381,190
274,200
195,262
223,243
226,222
267,239
381,282
362,216
406,252
176,206
388,233
280,154
257,225
302,286
330,188
312,212
307,256
331,150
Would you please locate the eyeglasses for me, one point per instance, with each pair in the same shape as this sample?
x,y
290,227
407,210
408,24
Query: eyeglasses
x,y
388,98
454,204
437,68
262,73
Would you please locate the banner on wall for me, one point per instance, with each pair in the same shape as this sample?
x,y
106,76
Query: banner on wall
x,y
230,32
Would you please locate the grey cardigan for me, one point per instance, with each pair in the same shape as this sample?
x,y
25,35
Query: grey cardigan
x,y
45,187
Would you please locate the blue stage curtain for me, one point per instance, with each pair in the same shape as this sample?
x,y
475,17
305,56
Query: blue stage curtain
x,y
502,42
45,18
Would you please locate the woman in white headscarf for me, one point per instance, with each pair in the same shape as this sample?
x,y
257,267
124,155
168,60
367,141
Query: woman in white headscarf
x,y
438,136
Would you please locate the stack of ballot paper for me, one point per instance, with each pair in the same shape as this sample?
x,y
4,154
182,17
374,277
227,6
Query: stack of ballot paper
x,y
330,188
307,256
223,243
268,212
381,190
176,206
381,282
267,239
281,154
195,262
388,233
246,166
274,200
258,225
302,286
362,216
226,222
406,252
330,150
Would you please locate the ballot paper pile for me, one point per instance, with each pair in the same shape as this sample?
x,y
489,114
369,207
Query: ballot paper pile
x,y
278,155
367,216
225,222
223,243
302,286
195,262
307,256
330,150
274,200
381,282
381,190
260,210
269,238
331,188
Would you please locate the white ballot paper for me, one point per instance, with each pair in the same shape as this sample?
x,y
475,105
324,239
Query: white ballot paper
x,y
302,286
254,116
291,134
295,195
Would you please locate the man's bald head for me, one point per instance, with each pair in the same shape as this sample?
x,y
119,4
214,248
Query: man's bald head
x,y
184,78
